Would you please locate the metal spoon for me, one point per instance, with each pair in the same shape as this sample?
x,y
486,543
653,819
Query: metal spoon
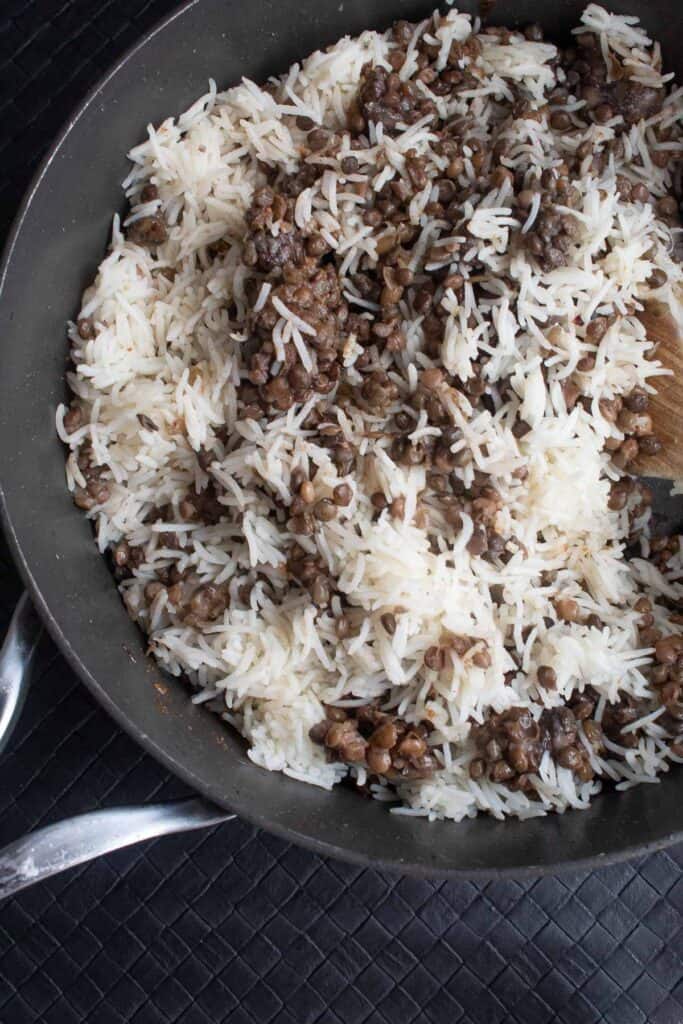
x,y
53,849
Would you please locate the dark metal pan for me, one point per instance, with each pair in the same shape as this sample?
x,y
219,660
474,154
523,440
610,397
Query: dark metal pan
x,y
57,241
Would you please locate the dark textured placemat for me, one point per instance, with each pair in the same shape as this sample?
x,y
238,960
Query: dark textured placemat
x,y
232,925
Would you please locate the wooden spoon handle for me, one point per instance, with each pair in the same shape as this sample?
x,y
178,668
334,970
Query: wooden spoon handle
x,y
666,407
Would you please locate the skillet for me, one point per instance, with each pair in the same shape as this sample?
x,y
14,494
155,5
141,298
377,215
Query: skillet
x,y
57,241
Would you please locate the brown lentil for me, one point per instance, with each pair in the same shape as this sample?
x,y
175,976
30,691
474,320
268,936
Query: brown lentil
x,y
86,328
325,510
307,492
567,609
547,677
388,621
342,495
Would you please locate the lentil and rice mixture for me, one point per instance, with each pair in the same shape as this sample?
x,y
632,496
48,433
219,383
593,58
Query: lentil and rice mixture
x,y
357,394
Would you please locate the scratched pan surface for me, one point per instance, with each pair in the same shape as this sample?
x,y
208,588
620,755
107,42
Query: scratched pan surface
x,y
59,238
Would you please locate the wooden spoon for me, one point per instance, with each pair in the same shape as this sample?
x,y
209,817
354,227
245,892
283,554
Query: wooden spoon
x,y
666,407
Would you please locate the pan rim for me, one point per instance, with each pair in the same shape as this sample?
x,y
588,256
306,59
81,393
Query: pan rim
x,y
242,807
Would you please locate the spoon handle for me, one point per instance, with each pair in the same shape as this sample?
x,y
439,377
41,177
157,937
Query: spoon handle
x,y
662,330
52,849
16,655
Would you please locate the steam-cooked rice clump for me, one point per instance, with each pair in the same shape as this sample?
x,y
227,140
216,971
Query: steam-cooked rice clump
x,y
359,390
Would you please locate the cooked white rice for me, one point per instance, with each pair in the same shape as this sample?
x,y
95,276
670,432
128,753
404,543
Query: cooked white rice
x,y
167,349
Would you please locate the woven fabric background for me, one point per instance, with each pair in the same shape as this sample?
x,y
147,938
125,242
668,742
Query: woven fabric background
x,y
232,925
